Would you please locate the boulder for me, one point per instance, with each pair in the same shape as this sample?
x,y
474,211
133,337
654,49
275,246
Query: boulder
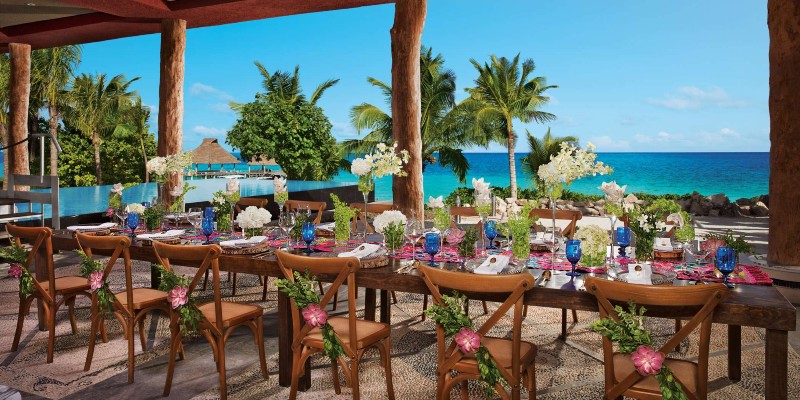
x,y
764,198
744,202
580,204
744,211
545,202
729,210
719,200
588,211
631,198
699,205
759,210
685,204
500,206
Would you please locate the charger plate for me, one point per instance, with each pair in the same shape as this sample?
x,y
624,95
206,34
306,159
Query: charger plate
x,y
660,276
512,267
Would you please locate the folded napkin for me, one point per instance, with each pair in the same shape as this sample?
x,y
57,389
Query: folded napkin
x,y
102,226
163,235
176,216
363,251
239,243
330,226
640,274
663,244
493,265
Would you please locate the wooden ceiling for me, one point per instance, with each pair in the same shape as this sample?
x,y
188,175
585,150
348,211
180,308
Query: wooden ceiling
x,y
51,23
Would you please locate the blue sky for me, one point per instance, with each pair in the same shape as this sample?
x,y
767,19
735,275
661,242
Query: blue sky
x,y
633,75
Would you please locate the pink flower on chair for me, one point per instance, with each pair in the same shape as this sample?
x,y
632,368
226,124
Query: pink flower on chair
x,y
315,316
647,361
467,340
178,296
456,236
15,270
95,280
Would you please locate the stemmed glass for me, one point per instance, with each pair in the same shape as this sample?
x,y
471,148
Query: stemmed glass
x,y
122,213
309,233
432,246
726,262
413,233
623,240
208,229
573,250
286,222
490,231
133,222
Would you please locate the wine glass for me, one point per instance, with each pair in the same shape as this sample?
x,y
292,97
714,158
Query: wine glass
x,y
208,229
726,262
413,233
573,250
122,213
309,233
623,239
432,246
286,221
133,222
209,213
490,231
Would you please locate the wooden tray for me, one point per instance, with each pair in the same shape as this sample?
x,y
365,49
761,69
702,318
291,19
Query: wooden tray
x,y
101,232
261,248
326,233
376,262
149,242
668,255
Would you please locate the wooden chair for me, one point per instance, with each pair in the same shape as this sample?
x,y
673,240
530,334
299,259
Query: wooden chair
x,y
129,306
699,302
374,208
220,318
240,206
48,291
302,206
355,335
569,231
514,357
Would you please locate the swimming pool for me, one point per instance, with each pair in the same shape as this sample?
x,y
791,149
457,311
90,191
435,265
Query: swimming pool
x,y
92,199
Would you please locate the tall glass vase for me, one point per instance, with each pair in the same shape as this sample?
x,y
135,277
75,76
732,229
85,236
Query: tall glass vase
x,y
553,247
366,184
364,227
613,219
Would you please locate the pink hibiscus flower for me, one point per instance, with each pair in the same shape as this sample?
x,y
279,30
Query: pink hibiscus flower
x,y
315,316
647,361
456,236
178,296
467,340
95,280
711,246
109,212
15,270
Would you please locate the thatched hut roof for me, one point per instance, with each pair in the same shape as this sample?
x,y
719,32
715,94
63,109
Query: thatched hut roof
x,y
261,161
210,152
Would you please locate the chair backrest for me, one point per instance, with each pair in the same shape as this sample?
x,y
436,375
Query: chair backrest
x,y
698,301
41,241
245,202
462,211
208,257
343,268
302,206
121,247
562,215
515,285
373,208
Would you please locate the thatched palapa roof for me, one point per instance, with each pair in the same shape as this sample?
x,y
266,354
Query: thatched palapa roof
x,y
210,152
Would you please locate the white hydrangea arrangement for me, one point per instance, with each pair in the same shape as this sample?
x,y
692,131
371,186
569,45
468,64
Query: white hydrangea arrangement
x,y
385,161
646,226
392,225
594,240
253,217
281,192
614,196
570,164
161,167
135,208
483,196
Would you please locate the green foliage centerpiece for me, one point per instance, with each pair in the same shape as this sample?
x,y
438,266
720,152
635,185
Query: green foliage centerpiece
x,y
18,256
392,225
154,216
93,272
593,245
519,229
455,321
646,225
385,161
303,291
179,197
178,297
223,202
633,339
441,214
342,215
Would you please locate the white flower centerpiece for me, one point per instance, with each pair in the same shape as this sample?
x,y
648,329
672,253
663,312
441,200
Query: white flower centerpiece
x,y
386,161
391,224
252,220
160,168
223,202
135,208
483,204
614,196
570,164
593,245
281,192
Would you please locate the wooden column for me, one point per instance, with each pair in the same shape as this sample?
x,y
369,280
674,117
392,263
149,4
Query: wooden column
x,y
409,19
784,84
170,92
20,91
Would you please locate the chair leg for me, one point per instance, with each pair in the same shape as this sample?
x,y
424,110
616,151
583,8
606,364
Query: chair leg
x,y
386,355
424,305
71,307
337,386
296,357
564,323
129,335
50,314
173,348
103,333
574,316
354,378
205,281
142,337
24,305
92,339
677,328
485,308
525,311
264,293
394,297
464,390
532,382
235,279
223,385
262,357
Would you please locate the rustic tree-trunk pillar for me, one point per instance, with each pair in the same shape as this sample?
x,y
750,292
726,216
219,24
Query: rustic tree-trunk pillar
x,y
170,94
784,85
409,19
54,114
20,91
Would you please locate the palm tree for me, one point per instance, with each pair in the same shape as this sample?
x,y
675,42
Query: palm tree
x,y
5,75
440,127
501,94
541,151
52,69
95,106
135,117
286,87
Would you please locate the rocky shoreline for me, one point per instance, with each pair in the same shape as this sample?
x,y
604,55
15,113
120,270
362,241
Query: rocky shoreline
x,y
718,205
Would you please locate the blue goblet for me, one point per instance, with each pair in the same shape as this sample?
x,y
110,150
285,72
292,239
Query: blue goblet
x,y
209,213
490,231
309,233
623,240
726,262
573,251
207,229
133,222
432,246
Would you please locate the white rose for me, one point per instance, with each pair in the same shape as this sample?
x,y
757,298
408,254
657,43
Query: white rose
x,y
118,188
435,202
232,186
360,167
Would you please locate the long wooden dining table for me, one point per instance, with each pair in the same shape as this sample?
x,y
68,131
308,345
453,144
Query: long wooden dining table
x,y
747,305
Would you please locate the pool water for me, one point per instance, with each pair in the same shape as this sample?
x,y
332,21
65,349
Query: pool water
x,y
92,199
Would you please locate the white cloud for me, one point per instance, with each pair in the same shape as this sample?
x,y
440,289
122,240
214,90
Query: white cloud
x,y
206,91
568,122
693,98
222,107
553,101
343,130
639,138
606,142
205,130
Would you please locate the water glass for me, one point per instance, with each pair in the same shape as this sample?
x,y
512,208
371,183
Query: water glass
x,y
309,233
122,213
133,222
623,237
413,233
490,231
573,251
726,263
207,229
432,246
286,223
